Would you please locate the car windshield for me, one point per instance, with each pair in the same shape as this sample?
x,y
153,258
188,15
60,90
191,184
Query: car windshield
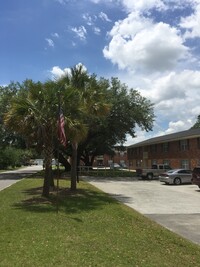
x,y
171,171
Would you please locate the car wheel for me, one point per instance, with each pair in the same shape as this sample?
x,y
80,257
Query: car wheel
x,y
177,181
149,176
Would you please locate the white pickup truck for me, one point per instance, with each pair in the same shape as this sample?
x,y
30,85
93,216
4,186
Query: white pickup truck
x,y
154,171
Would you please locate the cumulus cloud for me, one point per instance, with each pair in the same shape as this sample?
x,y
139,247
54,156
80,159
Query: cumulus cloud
x,y
192,23
178,126
183,85
139,44
143,5
57,72
154,57
176,101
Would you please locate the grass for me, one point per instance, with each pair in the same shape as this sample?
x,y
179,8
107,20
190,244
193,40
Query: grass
x,y
90,229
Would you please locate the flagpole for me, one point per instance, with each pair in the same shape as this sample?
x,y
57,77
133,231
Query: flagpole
x,y
62,140
58,176
58,163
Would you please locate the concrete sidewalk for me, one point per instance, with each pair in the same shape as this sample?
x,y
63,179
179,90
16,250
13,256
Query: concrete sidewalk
x,y
7,178
177,208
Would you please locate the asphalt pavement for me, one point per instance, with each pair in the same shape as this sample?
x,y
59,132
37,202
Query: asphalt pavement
x,y
177,208
8,178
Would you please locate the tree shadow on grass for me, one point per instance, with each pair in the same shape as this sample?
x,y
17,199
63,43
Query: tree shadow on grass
x,y
65,200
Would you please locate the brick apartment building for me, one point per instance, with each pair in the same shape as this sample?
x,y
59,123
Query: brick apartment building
x,y
179,150
119,156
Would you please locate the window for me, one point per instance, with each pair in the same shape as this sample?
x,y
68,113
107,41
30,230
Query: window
x,y
185,164
154,162
138,151
166,162
138,163
154,148
184,145
165,147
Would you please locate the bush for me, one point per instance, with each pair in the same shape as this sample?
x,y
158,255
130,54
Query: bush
x,y
13,157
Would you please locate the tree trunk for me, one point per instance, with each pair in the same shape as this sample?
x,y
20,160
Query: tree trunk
x,y
74,166
64,162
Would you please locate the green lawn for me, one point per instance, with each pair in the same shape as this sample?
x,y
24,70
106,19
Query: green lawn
x,y
90,229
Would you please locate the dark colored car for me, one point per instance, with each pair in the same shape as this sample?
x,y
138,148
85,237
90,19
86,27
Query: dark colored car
x,y
115,166
196,176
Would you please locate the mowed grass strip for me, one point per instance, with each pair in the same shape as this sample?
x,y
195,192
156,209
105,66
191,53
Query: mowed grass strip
x,y
90,229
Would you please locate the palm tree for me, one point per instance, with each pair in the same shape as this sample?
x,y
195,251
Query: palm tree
x,y
33,114
87,103
74,112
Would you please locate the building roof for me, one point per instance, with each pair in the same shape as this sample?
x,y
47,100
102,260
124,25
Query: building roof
x,y
188,134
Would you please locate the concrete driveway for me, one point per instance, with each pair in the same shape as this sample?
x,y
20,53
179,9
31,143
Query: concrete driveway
x,y
174,207
8,178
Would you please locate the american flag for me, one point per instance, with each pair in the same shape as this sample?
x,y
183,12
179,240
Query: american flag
x,y
61,129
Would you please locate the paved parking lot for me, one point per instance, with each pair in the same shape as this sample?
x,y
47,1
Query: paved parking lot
x,y
175,207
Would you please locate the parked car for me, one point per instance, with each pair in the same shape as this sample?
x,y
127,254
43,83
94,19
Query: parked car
x,y
154,171
196,176
176,176
115,166
123,165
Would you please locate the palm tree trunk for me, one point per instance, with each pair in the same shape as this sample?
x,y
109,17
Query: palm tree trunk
x,y
74,166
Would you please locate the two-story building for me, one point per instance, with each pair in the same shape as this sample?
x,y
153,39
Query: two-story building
x,y
119,156
179,150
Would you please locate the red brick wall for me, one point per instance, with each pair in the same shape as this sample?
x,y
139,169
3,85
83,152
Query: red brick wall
x,y
174,154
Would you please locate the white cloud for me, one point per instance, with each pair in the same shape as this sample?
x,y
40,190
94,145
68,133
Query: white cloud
x,y
139,44
172,86
192,23
178,126
80,32
55,34
97,30
89,19
104,17
50,42
153,57
57,72
143,5
176,97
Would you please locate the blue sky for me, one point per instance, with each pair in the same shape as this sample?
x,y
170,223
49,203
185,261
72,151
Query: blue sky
x,y
152,46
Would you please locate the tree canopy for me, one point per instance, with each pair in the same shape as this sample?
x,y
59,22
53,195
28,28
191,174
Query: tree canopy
x,y
128,109
197,123
99,113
